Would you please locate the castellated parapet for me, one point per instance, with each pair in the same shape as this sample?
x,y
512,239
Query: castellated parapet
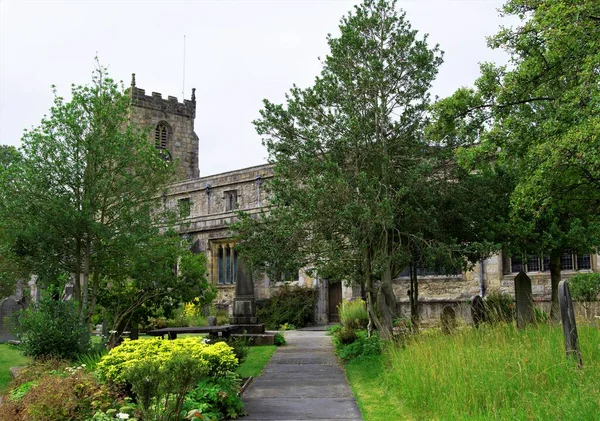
x,y
170,125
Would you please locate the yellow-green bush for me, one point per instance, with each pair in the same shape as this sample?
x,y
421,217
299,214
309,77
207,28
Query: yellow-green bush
x,y
353,314
219,358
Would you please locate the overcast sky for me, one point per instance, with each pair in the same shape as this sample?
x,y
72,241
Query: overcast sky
x,y
236,54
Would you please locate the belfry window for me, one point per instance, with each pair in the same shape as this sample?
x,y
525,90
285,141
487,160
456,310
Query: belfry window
x,y
162,134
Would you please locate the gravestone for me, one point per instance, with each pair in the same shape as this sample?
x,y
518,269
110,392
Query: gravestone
x,y
68,292
567,315
448,319
212,321
524,300
244,311
477,311
8,307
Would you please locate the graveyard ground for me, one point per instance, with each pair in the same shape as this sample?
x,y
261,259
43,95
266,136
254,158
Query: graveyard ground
x,y
10,356
257,358
490,373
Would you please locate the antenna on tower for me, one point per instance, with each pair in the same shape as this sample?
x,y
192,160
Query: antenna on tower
x,y
183,85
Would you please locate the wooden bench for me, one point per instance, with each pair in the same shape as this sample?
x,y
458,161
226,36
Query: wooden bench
x,y
172,332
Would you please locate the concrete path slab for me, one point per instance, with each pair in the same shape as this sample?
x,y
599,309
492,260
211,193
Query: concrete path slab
x,y
302,381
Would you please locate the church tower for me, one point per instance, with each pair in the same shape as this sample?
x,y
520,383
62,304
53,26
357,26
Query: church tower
x,y
171,125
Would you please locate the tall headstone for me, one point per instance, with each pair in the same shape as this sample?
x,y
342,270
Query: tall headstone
x,y
524,300
244,310
8,307
68,292
477,311
567,315
448,319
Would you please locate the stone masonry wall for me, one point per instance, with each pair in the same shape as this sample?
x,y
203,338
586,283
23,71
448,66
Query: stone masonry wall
x,y
149,111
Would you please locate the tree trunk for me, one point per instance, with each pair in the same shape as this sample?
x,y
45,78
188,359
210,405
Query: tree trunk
x,y
413,295
374,318
85,275
555,269
386,302
77,280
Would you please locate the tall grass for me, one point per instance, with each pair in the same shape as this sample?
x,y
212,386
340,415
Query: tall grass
x,y
497,373
353,314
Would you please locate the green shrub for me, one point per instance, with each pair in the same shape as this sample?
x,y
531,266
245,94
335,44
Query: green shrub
x,y
333,329
293,305
52,328
363,345
279,339
239,345
346,336
353,314
160,387
215,399
154,323
58,396
20,391
585,286
218,358
499,307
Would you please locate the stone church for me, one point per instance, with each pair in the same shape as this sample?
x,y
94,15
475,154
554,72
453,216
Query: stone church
x,y
208,204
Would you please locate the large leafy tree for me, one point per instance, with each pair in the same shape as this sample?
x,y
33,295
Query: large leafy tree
x,y
356,183
84,201
537,119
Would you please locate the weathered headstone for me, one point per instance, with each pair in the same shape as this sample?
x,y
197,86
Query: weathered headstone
x,y
477,311
212,321
524,300
448,319
567,315
244,311
8,307
68,292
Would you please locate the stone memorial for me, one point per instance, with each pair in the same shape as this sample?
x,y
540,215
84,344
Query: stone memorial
x,y
8,307
68,292
477,310
567,315
448,319
524,300
244,310
212,321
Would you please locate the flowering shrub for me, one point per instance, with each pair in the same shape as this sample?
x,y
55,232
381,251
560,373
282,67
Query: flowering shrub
x,y
218,358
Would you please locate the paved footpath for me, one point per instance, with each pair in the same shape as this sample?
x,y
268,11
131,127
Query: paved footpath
x,y
302,381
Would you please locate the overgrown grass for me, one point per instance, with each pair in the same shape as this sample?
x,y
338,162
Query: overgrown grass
x,y
10,356
494,373
258,357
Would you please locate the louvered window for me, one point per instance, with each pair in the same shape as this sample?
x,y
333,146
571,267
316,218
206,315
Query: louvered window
x,y
161,135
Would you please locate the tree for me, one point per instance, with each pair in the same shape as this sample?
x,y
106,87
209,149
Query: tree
x,y
354,177
537,119
84,200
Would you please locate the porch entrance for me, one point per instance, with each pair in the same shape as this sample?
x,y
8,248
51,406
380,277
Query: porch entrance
x,y
335,299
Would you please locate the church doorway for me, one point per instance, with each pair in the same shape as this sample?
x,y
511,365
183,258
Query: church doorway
x,y
335,299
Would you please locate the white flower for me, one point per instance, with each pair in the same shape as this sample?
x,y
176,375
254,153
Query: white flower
x,y
122,416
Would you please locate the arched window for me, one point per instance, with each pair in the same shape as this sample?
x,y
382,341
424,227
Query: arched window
x,y
162,135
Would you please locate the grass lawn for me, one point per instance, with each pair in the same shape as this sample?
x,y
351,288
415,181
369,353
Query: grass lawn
x,y
10,356
258,356
497,373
